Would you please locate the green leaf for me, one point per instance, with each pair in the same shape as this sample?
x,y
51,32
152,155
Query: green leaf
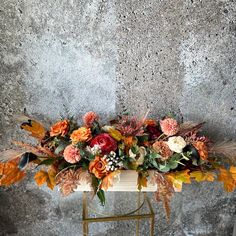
x,y
85,164
47,162
96,129
101,196
95,184
80,145
61,146
154,163
82,153
87,155
164,168
154,155
173,164
142,138
121,153
135,149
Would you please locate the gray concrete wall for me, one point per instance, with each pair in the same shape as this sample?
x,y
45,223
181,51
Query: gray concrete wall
x,y
66,57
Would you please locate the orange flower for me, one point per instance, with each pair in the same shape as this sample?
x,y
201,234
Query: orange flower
x,y
202,149
98,167
60,128
89,118
150,122
128,141
82,134
163,149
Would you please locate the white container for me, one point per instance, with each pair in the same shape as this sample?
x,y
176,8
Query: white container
x,y
127,183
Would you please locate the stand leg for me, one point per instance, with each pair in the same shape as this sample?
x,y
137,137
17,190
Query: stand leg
x,y
85,215
152,226
137,221
152,220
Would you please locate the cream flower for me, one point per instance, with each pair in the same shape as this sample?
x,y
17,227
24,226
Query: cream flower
x,y
176,144
139,157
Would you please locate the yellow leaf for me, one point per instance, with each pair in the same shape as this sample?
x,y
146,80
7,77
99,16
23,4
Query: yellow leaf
x,y
233,172
51,181
34,128
200,176
228,177
142,180
10,173
41,177
115,134
178,178
107,181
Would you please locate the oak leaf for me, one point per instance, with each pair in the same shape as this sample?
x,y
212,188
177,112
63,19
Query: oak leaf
x,y
142,181
48,177
200,176
41,177
34,128
178,178
10,173
228,177
108,180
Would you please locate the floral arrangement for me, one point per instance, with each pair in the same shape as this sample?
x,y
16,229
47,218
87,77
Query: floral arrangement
x,y
69,153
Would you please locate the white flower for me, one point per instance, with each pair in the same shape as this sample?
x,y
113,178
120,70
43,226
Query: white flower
x,y
95,150
176,144
139,157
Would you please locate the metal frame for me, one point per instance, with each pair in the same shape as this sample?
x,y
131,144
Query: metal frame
x,y
129,216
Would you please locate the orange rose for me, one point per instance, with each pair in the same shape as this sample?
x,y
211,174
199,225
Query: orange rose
x,y
98,167
82,134
202,149
60,128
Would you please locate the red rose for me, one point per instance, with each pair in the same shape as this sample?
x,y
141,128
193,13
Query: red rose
x,y
105,142
153,132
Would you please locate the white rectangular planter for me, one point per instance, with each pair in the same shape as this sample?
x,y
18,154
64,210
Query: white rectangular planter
x,y
127,183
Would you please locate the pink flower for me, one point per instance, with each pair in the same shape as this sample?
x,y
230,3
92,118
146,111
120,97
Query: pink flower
x,y
89,118
169,126
71,154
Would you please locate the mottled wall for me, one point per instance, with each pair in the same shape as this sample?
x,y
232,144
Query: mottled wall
x,y
62,58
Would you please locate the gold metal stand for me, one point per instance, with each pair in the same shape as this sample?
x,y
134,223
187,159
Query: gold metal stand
x,y
129,216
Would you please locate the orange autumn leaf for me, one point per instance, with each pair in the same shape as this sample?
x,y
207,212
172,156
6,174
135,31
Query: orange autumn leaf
x,y
233,171
202,149
108,180
34,128
43,177
228,177
10,173
200,176
178,178
142,181
51,181
1,169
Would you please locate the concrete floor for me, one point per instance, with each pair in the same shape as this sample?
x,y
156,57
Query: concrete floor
x,y
63,58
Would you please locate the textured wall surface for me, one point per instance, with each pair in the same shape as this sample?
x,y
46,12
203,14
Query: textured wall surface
x,y
63,58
